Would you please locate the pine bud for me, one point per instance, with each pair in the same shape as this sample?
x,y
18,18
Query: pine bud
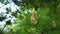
x,y
53,25
34,17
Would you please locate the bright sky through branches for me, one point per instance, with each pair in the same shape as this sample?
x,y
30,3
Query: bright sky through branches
x,y
3,10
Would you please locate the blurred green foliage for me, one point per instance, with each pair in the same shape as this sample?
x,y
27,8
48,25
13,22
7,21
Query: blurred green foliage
x,y
47,12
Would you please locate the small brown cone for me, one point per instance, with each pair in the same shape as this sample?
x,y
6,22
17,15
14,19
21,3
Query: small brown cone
x,y
34,17
34,21
53,25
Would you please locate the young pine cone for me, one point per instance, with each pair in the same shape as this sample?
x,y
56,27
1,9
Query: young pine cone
x,y
34,17
34,21
53,25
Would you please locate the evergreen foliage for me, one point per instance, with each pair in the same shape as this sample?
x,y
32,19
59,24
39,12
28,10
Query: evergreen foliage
x,y
38,17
